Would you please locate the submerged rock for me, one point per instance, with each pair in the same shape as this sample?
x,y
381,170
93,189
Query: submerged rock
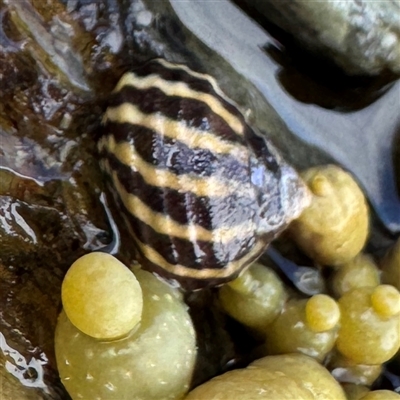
x,y
362,37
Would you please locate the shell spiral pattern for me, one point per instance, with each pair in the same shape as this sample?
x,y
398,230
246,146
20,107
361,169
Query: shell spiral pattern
x,y
201,193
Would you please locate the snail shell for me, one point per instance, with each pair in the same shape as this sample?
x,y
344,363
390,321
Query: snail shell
x,y
201,192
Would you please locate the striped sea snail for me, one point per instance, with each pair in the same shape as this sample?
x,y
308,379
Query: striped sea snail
x,y
202,193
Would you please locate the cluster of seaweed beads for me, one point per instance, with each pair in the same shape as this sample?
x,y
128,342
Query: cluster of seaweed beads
x,y
255,298
370,324
102,356
307,326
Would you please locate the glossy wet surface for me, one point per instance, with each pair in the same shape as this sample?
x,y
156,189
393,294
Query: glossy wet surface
x,y
58,64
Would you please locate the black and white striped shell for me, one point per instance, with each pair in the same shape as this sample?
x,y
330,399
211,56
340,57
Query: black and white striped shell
x,y
201,193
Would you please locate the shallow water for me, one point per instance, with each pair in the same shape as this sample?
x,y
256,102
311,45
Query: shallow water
x,y
361,139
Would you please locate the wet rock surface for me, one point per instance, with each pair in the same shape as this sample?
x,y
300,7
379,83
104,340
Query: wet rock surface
x,y
58,62
362,37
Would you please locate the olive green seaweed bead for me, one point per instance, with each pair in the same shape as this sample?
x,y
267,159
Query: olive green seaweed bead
x,y
322,313
283,377
101,296
359,272
385,300
255,298
370,324
312,375
334,228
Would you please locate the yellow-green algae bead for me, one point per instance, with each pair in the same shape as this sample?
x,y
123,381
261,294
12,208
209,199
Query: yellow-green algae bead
x,y
284,377
154,362
381,395
365,335
391,266
101,296
307,370
255,298
251,384
290,332
359,272
385,300
322,313
334,228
